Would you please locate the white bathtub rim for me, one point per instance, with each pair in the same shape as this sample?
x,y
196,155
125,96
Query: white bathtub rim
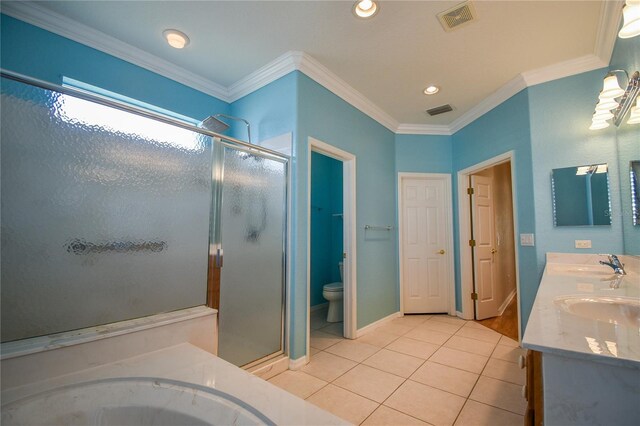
x,y
33,345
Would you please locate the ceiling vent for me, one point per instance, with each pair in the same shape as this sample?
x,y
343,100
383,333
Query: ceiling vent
x,y
457,16
439,110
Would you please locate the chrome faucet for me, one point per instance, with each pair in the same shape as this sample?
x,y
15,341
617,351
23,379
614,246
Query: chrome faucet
x,y
615,263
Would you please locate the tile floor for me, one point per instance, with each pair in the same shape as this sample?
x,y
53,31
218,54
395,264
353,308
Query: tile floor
x,y
414,370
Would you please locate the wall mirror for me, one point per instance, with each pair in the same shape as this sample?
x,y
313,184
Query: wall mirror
x,y
581,195
634,174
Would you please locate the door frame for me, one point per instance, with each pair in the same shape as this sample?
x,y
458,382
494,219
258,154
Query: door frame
x,y
349,234
464,222
446,178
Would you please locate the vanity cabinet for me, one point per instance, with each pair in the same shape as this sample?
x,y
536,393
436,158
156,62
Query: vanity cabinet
x,y
583,329
532,390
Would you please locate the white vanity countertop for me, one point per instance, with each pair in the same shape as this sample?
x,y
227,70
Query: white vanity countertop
x,y
554,330
188,363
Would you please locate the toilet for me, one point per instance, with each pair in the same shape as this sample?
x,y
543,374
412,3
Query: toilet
x,y
333,293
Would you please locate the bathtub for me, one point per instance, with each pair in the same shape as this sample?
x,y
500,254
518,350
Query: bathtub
x,y
159,370
132,400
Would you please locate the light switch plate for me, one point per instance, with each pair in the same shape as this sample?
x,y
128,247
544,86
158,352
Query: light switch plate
x,y
583,243
527,240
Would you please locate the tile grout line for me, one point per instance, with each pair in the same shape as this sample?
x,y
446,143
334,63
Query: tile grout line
x,y
403,382
409,378
379,349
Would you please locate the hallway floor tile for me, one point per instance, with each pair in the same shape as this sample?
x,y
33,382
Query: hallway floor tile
x,y
414,370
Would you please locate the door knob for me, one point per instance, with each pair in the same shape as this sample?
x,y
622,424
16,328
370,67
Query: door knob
x,y
493,250
441,252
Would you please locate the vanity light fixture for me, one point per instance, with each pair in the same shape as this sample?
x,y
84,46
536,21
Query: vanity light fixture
x,y
602,115
176,39
631,15
606,105
614,102
365,9
611,89
431,90
598,124
590,170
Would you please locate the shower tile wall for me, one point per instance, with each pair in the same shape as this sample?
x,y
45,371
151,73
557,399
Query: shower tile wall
x,y
326,229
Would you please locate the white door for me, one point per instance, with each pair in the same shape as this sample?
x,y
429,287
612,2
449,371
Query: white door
x,y
425,256
484,252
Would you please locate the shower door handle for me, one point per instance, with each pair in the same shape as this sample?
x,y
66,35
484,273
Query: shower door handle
x,y
219,258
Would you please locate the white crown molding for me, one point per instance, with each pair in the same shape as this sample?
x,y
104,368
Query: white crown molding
x,y
524,80
610,15
323,76
300,61
490,102
563,69
269,73
423,129
65,27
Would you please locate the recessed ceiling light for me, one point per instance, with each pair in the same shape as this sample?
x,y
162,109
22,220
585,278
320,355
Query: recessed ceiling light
x,y
365,8
431,90
176,38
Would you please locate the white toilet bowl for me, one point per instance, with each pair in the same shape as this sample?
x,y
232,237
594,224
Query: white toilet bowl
x,y
333,292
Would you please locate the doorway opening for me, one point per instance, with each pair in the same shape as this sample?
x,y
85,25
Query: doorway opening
x,y
331,282
489,253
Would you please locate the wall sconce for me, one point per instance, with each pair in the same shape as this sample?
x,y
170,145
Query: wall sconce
x,y
609,108
631,15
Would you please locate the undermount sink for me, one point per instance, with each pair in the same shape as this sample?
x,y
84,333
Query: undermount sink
x,y
140,401
613,310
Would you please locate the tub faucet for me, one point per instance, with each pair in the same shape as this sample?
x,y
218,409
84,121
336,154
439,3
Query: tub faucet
x,y
615,263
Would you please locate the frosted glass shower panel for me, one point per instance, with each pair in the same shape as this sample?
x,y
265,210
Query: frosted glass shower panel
x,y
253,217
105,213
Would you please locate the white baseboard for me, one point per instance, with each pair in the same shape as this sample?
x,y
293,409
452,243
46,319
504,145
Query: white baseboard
x,y
506,302
459,315
369,328
318,307
297,364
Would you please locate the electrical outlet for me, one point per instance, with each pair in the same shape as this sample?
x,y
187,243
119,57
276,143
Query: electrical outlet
x,y
527,240
583,243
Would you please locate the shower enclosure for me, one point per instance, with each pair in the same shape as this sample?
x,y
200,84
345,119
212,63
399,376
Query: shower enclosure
x,y
111,213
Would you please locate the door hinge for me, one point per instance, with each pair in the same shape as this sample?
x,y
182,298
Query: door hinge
x,y
472,243
470,191
474,296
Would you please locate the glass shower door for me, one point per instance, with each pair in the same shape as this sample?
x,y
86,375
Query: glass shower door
x,y
104,213
252,223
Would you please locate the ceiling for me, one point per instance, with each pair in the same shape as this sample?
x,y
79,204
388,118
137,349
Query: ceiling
x,y
388,59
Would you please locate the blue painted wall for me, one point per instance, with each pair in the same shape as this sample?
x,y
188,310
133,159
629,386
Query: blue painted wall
x,y
271,111
561,113
504,128
326,117
423,154
34,52
326,229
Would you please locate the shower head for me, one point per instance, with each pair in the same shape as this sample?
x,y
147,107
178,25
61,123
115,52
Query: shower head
x,y
214,124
